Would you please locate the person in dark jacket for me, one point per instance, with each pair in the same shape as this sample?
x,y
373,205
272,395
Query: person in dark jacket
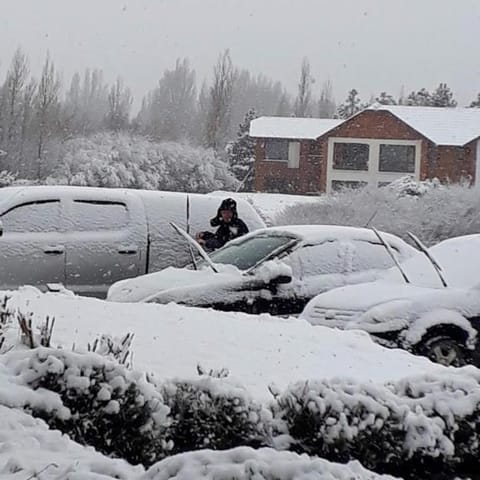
x,y
229,226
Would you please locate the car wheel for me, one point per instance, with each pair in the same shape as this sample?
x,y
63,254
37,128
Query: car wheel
x,y
444,350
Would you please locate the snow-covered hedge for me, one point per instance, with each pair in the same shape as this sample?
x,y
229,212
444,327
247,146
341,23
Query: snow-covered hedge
x,y
431,211
245,463
213,413
430,423
104,405
132,161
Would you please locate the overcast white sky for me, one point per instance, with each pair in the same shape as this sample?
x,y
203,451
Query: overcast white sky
x,y
371,45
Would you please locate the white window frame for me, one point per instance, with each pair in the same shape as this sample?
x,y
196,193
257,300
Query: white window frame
x,y
372,176
293,160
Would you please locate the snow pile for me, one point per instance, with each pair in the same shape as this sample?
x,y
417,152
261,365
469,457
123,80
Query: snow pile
x,y
170,341
407,185
247,464
122,160
437,214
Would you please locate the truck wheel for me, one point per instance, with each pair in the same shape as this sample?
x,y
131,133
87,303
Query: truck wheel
x,y
444,350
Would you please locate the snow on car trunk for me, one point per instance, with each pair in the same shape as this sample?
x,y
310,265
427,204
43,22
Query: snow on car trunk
x,y
171,340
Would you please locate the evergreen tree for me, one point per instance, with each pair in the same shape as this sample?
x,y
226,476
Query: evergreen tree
x,y
241,153
443,97
476,103
385,99
351,106
422,98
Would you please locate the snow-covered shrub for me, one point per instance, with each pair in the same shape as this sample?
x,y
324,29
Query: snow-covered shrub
x,y
6,178
429,424
432,212
115,348
117,411
213,413
123,160
245,463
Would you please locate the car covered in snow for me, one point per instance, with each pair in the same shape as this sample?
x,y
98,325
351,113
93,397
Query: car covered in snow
x,y
436,314
276,270
88,238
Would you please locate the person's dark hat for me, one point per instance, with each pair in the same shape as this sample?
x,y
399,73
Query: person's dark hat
x,y
228,204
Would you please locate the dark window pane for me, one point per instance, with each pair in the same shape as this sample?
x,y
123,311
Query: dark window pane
x,y
346,184
350,156
276,149
397,158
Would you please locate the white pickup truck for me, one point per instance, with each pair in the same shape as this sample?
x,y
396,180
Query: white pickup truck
x,y
88,238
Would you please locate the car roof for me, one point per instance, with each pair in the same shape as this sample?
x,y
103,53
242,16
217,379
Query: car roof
x,y
324,233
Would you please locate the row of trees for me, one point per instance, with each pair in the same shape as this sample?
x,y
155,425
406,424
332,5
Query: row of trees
x,y
38,115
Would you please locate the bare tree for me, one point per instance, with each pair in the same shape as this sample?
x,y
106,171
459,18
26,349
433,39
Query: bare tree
x,y
304,95
220,103
46,108
326,102
119,105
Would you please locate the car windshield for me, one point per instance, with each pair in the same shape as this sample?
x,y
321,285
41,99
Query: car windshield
x,y
247,253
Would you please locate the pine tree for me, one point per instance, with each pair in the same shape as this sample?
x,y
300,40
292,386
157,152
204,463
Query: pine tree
x,y
422,98
351,106
385,99
443,97
241,153
476,103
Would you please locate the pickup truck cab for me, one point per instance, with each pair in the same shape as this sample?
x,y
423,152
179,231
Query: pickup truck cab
x,y
89,238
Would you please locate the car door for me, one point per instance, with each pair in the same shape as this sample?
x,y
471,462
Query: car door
x,y
107,241
32,246
315,268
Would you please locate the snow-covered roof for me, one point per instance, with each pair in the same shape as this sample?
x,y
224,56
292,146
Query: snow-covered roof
x,y
291,127
443,126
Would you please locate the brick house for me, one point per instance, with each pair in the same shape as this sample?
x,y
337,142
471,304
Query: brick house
x,y
375,147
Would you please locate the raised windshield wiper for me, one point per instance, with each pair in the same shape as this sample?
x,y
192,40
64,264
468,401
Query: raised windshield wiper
x,y
392,255
194,243
424,250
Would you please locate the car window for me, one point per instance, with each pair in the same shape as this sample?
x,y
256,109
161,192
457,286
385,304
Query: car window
x,y
368,256
322,259
33,217
90,215
250,251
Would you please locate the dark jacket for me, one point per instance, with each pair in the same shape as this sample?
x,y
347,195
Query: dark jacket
x,y
226,231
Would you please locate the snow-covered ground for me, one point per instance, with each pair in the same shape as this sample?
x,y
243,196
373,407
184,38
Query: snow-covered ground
x,y
171,340
269,205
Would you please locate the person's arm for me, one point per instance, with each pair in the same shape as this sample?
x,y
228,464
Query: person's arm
x,y
242,227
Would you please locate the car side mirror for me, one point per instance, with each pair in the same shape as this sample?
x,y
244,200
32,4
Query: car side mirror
x,y
281,279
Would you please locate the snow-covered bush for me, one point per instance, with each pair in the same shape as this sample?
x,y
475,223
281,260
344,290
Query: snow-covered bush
x,y
213,413
245,463
6,178
429,424
123,160
432,212
117,411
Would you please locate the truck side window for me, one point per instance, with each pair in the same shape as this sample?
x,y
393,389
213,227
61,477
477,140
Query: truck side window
x,y
93,216
33,217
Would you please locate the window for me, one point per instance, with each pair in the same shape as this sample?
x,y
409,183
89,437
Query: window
x,y
370,256
33,217
397,158
276,149
247,253
90,215
323,259
350,156
338,185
